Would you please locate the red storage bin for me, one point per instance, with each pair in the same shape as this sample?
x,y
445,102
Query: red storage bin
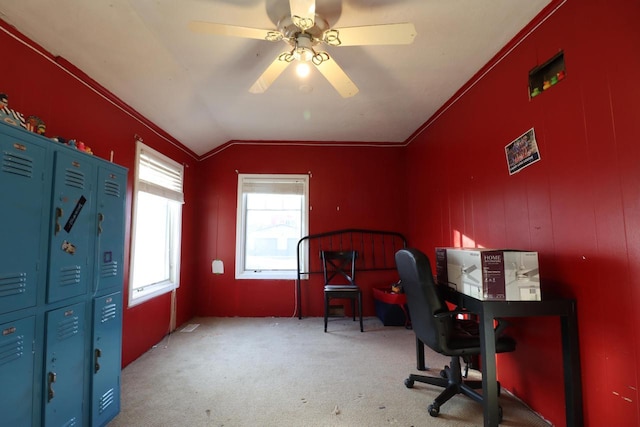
x,y
391,307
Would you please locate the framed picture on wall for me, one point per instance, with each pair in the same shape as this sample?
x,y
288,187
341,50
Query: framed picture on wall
x,y
522,152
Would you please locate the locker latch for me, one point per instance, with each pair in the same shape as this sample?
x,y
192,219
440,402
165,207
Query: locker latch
x,y
98,354
59,214
51,379
100,219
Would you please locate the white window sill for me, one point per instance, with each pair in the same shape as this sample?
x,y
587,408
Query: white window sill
x,y
266,275
150,292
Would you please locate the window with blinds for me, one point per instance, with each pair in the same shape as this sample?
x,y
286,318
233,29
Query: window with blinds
x,y
273,212
159,175
157,213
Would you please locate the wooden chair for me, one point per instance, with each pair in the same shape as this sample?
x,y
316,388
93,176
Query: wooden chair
x,y
339,281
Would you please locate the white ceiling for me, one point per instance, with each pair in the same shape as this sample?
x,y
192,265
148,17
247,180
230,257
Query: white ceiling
x,y
195,86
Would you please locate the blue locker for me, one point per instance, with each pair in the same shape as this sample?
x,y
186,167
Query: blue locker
x,y
62,222
16,370
106,364
110,193
71,227
24,201
64,366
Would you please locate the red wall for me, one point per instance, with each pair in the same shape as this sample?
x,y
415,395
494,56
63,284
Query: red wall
x,y
363,182
578,206
74,108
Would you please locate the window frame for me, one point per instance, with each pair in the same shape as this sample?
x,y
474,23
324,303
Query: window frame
x,y
141,294
240,272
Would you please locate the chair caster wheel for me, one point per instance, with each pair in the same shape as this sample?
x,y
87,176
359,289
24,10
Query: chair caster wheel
x,y
499,414
434,410
408,383
443,374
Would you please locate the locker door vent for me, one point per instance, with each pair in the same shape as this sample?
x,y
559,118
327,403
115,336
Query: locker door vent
x,y
108,313
106,400
111,188
17,164
109,269
74,178
13,284
70,275
11,350
67,328
73,422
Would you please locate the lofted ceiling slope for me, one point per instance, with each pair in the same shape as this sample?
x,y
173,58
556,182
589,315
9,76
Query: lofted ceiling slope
x,y
195,86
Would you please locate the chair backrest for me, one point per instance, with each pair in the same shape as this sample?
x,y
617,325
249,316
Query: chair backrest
x,y
339,267
423,299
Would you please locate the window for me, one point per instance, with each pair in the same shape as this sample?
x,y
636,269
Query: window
x,y
158,198
273,214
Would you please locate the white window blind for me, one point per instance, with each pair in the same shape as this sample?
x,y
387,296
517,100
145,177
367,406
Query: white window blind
x,y
273,186
160,175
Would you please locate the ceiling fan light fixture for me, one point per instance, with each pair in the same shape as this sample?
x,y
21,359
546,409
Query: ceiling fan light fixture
x,y
303,54
303,49
303,69
303,31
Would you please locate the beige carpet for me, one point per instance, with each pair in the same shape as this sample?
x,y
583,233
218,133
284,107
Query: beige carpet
x,y
288,372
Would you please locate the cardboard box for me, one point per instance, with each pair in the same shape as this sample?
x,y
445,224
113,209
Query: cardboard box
x,y
490,274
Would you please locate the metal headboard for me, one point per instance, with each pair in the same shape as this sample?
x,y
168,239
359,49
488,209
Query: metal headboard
x,y
376,251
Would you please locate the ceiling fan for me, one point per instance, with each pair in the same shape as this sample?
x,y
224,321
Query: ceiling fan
x,y
304,30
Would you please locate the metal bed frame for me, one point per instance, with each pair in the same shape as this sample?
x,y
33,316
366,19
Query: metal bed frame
x,y
376,252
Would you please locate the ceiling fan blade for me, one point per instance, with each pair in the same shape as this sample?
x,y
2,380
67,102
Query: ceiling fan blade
x,y
232,30
270,74
384,34
337,77
303,13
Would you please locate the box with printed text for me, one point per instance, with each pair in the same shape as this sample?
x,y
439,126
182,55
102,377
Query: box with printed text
x,y
490,274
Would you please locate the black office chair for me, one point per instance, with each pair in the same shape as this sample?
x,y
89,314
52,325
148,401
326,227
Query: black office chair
x,y
339,281
439,328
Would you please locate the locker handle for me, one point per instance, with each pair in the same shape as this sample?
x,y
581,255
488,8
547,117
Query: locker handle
x,y
59,214
96,365
51,379
100,219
